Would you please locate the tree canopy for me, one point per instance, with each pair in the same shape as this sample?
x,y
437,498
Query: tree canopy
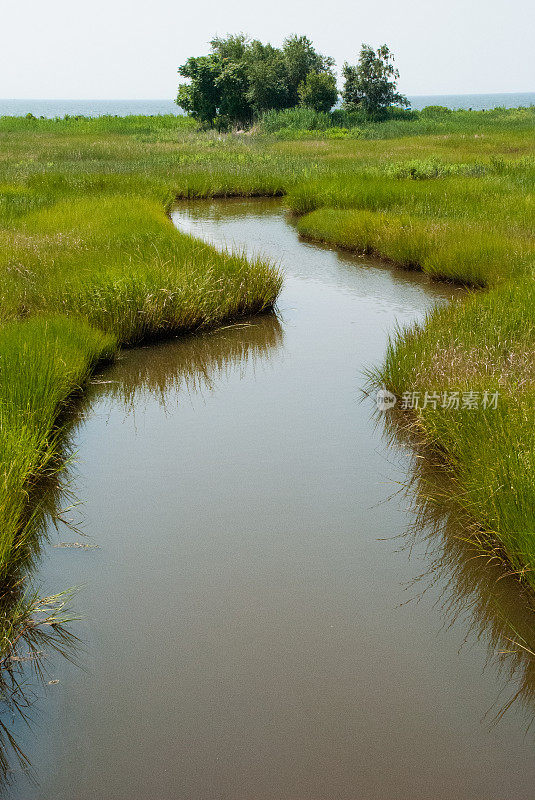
x,y
242,78
371,84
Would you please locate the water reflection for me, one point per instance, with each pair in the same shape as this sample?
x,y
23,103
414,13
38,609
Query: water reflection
x,y
33,627
475,586
196,363
37,627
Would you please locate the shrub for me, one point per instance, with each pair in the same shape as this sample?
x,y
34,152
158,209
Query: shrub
x,y
435,111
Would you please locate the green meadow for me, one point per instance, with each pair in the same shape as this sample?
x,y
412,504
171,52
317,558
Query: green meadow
x,y
90,262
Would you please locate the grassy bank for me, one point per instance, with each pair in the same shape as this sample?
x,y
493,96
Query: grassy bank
x,y
472,252
89,261
304,123
78,278
482,345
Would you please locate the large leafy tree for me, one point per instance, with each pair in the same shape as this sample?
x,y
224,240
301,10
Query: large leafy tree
x,y
233,84
371,84
232,81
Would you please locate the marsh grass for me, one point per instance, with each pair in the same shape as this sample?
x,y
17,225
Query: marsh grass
x,y
300,123
89,262
471,567
42,361
468,253
484,344
121,265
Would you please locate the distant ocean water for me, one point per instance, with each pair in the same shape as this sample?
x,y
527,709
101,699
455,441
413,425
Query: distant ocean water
x,y
476,101
86,108
95,108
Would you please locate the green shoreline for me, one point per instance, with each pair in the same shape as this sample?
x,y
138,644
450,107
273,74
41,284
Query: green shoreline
x,y
479,350
90,262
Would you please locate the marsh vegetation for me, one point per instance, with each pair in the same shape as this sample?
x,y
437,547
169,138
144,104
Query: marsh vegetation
x,y
89,262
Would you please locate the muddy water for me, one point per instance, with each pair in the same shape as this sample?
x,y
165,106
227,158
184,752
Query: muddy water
x,y
247,627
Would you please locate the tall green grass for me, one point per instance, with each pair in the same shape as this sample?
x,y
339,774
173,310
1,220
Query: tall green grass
x,y
89,261
502,200
469,253
119,264
305,123
42,362
132,124
484,344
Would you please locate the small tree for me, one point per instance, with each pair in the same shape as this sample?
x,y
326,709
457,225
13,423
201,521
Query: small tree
x,y
371,84
318,91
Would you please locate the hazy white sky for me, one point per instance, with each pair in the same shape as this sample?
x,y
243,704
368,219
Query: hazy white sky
x,y
131,48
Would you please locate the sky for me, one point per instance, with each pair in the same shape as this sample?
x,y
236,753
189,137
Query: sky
x,y
130,49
